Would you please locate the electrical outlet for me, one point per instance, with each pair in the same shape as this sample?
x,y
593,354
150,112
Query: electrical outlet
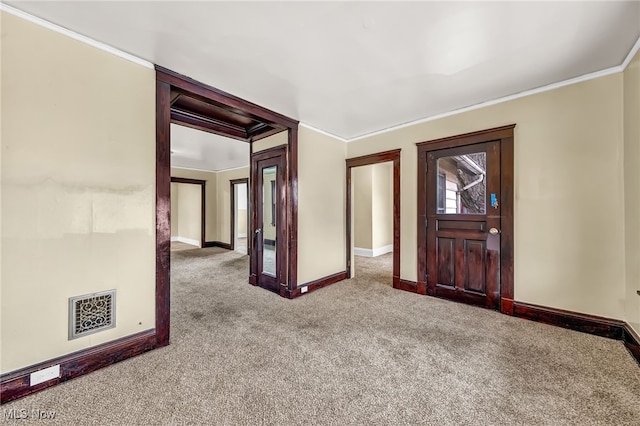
x,y
45,375
304,289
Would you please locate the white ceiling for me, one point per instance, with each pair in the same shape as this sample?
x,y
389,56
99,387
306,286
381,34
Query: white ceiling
x,y
352,68
194,149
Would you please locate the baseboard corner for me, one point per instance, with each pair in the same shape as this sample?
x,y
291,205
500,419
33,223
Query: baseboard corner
x,y
405,285
631,341
319,283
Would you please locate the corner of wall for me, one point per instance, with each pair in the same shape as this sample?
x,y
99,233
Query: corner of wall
x,y
321,205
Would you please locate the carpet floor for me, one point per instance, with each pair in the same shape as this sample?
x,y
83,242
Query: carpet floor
x,y
356,352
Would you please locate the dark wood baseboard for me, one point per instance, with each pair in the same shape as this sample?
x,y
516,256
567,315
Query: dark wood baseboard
x,y
268,242
319,283
600,326
225,246
16,384
405,285
591,324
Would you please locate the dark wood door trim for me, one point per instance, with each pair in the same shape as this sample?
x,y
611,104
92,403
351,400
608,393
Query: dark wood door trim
x,y
365,160
163,211
292,210
195,89
504,135
232,184
202,184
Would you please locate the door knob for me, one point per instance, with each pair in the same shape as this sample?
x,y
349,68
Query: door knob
x,y
494,231
258,231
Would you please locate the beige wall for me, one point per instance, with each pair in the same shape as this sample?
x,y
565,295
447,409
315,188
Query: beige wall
x,y
569,194
210,198
78,190
278,139
382,205
242,222
175,194
631,153
362,181
217,199
190,212
321,205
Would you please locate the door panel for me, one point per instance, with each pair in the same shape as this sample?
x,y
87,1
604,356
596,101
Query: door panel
x,y
268,256
475,263
463,190
446,257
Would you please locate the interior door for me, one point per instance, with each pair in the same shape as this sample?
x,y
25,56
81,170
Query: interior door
x,y
269,222
463,223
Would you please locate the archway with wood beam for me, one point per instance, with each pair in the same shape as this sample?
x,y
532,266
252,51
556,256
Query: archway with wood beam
x,y
184,101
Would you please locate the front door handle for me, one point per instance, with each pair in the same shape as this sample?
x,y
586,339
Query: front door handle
x,y
494,231
259,230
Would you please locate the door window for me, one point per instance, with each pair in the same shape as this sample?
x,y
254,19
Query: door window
x,y
269,211
462,184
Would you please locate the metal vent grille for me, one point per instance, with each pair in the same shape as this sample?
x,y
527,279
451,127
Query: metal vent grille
x,y
91,313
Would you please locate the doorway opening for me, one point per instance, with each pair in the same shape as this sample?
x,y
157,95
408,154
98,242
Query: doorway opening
x,y
465,218
360,172
372,214
239,215
187,213
182,100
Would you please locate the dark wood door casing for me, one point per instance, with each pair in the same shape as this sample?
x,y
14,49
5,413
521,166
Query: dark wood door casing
x,y
366,160
504,140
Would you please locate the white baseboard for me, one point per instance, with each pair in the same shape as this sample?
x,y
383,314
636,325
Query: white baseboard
x,y
373,253
186,241
242,235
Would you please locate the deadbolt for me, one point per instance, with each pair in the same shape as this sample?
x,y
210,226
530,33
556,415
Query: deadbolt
x,y
494,231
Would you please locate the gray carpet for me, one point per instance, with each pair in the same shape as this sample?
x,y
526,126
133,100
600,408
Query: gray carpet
x,y
357,352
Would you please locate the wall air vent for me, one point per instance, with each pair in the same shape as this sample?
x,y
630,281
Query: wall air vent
x,y
91,313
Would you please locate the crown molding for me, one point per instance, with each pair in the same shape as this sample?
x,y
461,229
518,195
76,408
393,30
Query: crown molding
x,y
630,56
79,37
323,132
473,107
147,64
194,169
553,86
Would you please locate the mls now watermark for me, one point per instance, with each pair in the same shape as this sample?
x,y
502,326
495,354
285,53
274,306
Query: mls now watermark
x,y
24,414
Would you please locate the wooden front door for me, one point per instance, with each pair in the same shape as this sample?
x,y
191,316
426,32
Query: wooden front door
x,y
465,218
463,223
